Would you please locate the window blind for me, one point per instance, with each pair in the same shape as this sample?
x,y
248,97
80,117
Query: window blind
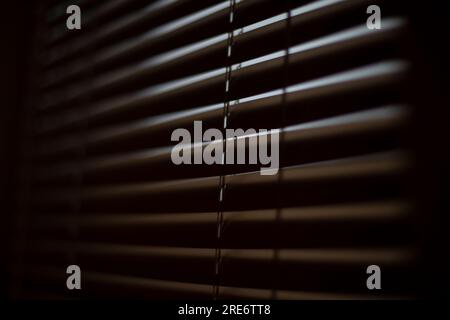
x,y
106,196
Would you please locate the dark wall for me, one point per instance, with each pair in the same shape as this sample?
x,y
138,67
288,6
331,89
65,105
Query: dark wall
x,y
431,25
14,23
